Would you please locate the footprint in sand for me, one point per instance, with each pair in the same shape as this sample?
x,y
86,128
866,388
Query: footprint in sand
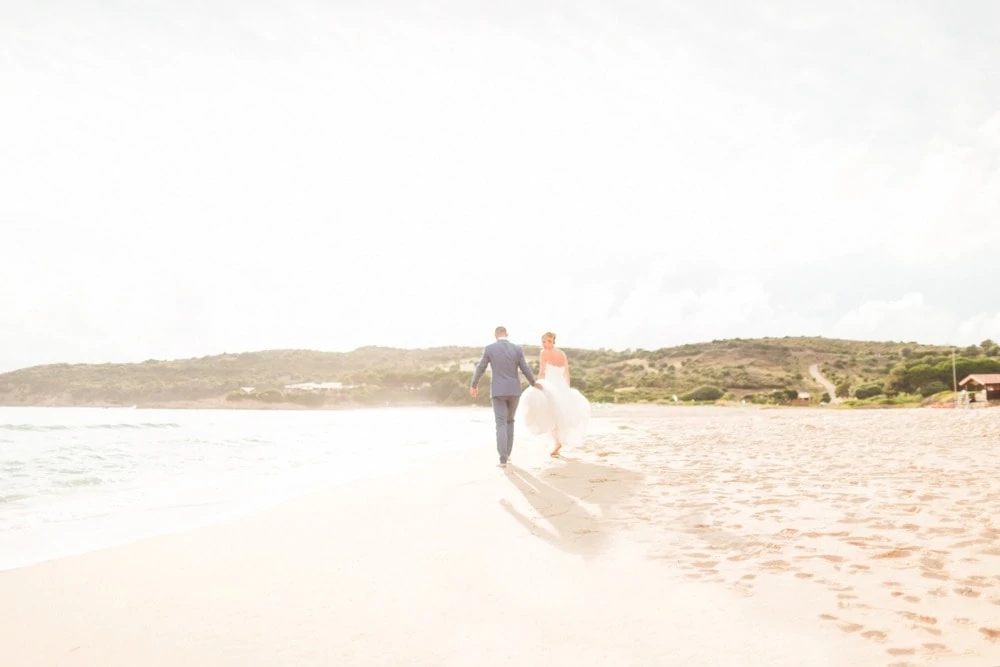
x,y
968,592
897,553
739,557
845,626
852,605
969,543
875,635
991,634
910,616
850,627
934,647
830,558
780,565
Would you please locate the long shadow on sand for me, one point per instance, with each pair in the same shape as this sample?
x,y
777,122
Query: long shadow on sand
x,y
557,497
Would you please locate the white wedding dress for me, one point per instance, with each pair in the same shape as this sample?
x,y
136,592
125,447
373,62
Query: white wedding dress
x,y
557,410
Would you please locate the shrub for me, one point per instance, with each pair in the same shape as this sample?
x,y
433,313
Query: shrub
x,y
932,388
271,396
703,393
868,391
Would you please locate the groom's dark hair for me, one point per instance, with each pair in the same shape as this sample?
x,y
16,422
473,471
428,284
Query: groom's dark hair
x,y
500,331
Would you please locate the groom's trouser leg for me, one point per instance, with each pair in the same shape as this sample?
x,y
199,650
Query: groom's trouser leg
x,y
511,409
503,413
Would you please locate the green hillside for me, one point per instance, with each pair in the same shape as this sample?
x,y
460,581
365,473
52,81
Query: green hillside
x,y
759,370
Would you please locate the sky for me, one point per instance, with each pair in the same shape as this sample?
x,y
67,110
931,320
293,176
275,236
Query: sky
x,y
182,178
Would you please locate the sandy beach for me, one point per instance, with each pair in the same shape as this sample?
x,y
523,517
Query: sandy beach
x,y
675,536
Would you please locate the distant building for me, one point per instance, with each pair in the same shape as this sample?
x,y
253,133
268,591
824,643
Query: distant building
x,y
983,383
317,386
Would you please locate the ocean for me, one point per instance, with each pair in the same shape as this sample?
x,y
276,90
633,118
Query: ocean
x,y
78,479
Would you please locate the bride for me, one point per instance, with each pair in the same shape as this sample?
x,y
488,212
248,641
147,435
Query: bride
x,y
557,409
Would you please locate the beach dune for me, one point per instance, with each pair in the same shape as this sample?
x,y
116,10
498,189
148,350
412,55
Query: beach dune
x,y
675,537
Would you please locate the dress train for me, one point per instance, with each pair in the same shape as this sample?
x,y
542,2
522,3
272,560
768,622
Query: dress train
x,y
557,409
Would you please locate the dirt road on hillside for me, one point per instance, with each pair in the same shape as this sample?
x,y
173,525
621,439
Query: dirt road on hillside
x,y
827,385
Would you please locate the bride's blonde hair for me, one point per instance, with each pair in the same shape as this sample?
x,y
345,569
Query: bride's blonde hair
x,y
549,334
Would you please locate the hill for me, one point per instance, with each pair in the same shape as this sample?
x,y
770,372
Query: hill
x,y
759,370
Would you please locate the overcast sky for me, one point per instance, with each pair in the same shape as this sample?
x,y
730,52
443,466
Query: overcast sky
x,y
188,177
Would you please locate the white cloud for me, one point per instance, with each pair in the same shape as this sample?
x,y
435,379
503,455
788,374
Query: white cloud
x,y
978,328
898,319
657,314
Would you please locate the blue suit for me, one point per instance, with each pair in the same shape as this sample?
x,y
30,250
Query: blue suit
x,y
504,359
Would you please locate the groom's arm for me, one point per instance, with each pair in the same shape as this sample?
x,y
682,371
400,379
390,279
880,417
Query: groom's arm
x,y
480,369
525,368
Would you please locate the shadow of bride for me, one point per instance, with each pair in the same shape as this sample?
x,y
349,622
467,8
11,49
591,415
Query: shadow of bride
x,y
558,497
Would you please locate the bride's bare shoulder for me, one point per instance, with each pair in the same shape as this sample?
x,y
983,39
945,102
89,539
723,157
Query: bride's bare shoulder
x,y
559,355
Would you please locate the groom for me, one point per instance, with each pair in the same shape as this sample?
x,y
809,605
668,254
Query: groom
x,y
504,359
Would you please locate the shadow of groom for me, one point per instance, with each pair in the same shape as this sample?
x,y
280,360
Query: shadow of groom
x,y
557,497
